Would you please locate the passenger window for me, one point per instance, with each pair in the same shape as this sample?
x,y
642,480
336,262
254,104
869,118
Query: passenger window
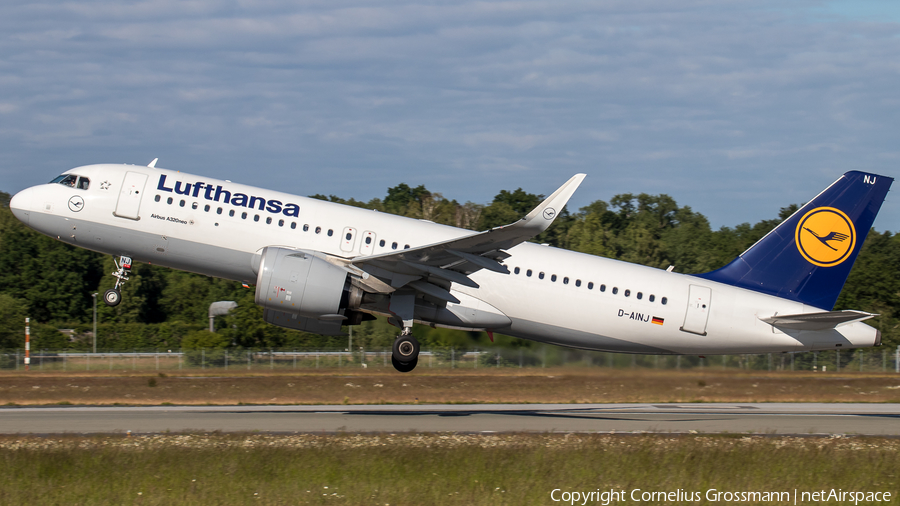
x,y
330,232
516,270
231,213
565,281
615,290
652,297
243,216
306,228
156,198
182,203
553,278
280,223
206,208
381,243
255,217
268,220
368,240
541,275
577,282
590,285
393,245
602,288
349,236
406,246
664,301
293,225
528,273
219,211
169,200
194,205
640,295
627,292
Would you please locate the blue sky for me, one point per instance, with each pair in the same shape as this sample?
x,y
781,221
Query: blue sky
x,y
735,108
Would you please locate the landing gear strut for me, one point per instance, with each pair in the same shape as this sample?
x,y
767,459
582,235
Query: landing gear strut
x,y
405,352
113,296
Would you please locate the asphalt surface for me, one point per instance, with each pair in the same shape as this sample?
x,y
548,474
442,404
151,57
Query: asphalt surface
x,y
773,418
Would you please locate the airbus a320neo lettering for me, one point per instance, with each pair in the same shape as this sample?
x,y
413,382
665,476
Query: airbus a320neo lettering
x,y
319,265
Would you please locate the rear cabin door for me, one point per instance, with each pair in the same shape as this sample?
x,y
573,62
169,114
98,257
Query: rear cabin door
x,y
130,195
697,313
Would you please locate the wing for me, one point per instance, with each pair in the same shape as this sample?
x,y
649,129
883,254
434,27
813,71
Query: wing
x,y
430,269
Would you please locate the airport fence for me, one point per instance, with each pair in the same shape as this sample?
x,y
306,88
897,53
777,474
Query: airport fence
x,y
238,359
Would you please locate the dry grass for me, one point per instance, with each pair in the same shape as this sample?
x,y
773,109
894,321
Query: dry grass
x,y
337,386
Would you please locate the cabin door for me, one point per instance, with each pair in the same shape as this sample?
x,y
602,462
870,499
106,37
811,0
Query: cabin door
x,y
130,195
697,313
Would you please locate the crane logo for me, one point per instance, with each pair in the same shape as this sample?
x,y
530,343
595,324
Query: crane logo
x,y
76,203
825,236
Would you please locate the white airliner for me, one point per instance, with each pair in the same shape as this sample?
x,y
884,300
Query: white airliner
x,y
319,265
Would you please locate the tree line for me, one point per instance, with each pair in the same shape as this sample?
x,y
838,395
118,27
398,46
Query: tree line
x,y
52,282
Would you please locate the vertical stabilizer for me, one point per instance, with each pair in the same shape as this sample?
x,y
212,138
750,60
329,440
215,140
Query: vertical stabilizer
x,y
808,257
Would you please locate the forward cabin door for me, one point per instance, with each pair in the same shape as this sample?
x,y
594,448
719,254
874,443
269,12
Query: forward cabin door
x,y
697,313
129,204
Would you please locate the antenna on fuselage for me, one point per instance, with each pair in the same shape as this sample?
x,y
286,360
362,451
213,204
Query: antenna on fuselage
x,y
152,164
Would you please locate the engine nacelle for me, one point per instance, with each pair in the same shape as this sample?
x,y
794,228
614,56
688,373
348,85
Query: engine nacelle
x,y
302,282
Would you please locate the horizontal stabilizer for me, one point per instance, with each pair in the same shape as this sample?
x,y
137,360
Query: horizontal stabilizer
x,y
817,321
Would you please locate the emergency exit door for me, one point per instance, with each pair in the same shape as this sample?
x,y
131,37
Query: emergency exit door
x,y
130,195
697,314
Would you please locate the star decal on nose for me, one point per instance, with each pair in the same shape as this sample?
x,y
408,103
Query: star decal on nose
x,y
105,185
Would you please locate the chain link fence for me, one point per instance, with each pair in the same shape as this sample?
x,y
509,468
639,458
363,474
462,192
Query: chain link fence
x,y
863,360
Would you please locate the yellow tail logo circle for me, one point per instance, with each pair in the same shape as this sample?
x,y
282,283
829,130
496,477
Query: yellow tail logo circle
x,y
825,236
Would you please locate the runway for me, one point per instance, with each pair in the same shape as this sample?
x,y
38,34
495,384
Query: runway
x,y
774,418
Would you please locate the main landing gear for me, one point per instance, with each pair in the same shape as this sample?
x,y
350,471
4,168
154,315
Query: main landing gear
x,y
405,352
113,296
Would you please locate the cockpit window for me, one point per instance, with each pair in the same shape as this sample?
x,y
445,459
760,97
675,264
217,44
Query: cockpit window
x,y
72,181
66,179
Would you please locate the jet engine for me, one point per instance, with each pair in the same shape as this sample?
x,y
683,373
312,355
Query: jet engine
x,y
304,283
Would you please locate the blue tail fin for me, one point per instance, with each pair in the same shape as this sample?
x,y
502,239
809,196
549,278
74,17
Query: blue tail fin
x,y
808,257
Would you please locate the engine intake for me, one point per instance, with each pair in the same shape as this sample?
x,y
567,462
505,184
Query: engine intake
x,y
303,282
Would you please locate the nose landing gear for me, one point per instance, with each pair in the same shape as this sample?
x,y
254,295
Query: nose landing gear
x,y
113,296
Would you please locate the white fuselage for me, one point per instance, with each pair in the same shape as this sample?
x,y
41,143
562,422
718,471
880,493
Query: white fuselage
x,y
570,299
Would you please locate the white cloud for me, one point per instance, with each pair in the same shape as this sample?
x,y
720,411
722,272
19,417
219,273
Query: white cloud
x,y
709,101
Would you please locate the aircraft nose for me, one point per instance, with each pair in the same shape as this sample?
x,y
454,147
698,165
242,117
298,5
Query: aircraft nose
x,y
20,204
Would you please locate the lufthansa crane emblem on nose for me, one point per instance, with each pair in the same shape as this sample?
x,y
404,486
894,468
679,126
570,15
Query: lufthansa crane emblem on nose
x,y
549,213
76,203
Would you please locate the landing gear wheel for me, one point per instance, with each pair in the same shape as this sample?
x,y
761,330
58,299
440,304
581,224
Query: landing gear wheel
x,y
404,366
112,297
406,349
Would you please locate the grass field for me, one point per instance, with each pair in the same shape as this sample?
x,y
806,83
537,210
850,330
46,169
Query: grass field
x,y
418,469
502,385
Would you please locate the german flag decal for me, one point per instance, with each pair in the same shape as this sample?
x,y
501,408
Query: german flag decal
x,y
657,320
